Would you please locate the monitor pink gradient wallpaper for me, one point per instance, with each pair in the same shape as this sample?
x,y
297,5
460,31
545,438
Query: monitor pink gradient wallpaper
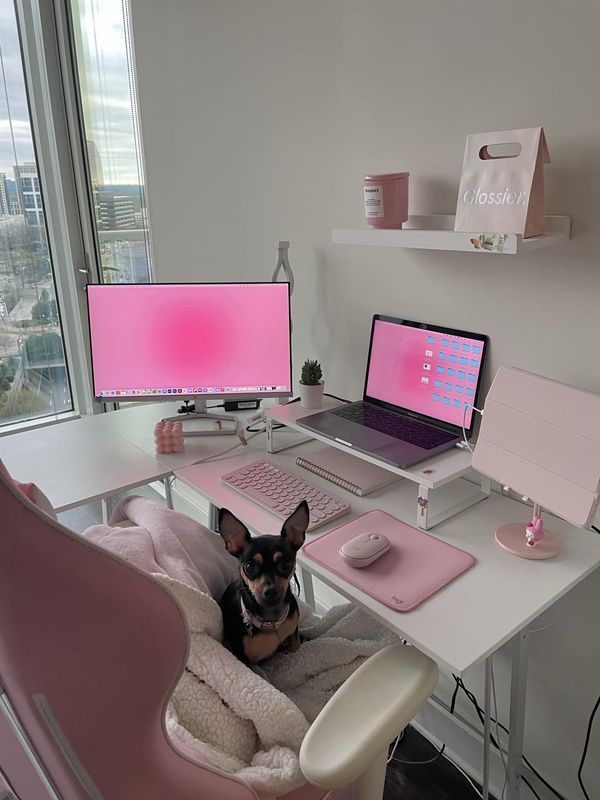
x,y
424,370
215,339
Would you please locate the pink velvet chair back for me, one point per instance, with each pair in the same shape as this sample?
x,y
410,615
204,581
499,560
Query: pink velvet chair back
x,y
90,650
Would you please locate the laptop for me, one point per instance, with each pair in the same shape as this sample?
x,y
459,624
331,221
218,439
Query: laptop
x,y
420,385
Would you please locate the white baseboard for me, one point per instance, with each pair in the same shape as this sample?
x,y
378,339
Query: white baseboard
x,y
464,744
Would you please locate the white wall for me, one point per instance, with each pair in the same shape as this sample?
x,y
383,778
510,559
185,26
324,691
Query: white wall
x,y
259,120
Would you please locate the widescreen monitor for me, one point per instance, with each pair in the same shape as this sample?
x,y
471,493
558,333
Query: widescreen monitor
x,y
160,341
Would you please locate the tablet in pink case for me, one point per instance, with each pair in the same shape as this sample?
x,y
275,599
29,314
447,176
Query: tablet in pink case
x,y
414,568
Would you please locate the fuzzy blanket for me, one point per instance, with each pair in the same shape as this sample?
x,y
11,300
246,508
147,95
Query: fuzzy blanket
x,y
250,722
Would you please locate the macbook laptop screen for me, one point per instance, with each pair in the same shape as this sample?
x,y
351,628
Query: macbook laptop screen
x,y
422,368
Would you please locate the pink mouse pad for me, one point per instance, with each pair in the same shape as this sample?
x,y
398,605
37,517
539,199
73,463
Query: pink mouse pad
x,y
416,566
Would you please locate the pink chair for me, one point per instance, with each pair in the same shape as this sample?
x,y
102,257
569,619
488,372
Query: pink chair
x,y
84,688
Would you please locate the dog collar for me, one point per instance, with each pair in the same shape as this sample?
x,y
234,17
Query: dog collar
x,y
251,621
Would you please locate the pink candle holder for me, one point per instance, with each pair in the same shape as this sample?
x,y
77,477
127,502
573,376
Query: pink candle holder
x,y
386,199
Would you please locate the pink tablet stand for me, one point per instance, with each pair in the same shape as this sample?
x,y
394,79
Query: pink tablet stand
x,y
528,541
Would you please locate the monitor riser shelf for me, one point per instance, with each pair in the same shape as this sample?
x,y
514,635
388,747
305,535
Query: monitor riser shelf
x,y
451,467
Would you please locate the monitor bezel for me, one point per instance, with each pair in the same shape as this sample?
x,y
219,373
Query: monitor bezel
x,y
426,326
143,398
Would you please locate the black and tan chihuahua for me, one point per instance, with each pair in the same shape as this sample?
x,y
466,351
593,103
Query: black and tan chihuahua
x,y
260,613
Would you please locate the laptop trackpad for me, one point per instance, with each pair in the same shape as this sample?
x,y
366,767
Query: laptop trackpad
x,y
323,421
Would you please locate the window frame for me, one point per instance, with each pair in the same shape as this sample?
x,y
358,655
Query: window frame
x,y
77,130
46,103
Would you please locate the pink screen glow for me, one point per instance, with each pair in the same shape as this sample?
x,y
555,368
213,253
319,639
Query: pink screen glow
x,y
224,338
425,371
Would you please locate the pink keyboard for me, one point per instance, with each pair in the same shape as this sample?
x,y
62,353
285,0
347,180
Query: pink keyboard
x,y
280,492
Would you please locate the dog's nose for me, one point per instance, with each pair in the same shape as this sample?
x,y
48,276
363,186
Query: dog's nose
x,y
271,594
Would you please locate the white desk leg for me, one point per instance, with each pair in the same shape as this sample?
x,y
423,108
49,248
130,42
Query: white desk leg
x,y
168,493
213,517
104,506
308,589
518,691
269,429
486,728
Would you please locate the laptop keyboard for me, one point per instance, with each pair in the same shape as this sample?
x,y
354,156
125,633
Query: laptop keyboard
x,y
403,428
280,491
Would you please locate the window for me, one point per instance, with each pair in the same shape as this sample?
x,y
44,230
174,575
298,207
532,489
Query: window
x,y
34,373
105,68
72,194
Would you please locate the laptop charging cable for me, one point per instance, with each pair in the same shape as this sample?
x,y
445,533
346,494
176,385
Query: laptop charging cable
x,y
465,444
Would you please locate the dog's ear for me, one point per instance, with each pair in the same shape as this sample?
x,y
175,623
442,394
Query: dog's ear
x,y
295,526
233,532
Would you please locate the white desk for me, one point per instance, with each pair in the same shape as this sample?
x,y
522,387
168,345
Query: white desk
x,y
460,626
79,461
466,622
93,457
494,600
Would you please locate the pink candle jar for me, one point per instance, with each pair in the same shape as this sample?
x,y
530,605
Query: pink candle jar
x,y
386,199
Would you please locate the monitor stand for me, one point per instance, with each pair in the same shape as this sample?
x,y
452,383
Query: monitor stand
x,y
197,409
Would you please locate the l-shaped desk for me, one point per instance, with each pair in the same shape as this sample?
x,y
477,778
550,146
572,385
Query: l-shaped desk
x,y
462,625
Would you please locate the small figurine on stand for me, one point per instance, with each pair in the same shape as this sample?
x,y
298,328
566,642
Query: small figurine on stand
x,y
528,541
534,532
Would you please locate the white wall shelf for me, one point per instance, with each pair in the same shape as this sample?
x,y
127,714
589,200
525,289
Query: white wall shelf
x,y
436,232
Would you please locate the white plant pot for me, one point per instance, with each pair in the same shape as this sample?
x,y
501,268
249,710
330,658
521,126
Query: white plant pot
x,y
311,396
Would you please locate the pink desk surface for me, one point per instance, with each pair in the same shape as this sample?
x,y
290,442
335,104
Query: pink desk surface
x,y
416,566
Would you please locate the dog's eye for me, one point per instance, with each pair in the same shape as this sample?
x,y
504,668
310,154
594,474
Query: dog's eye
x,y
251,569
285,566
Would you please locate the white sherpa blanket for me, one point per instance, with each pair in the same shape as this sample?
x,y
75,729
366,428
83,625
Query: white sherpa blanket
x,y
250,722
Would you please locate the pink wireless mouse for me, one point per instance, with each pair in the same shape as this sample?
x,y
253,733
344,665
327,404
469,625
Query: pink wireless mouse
x,y
364,549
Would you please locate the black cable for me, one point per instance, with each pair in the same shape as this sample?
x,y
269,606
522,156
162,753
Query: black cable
x,y
453,701
480,714
594,528
585,747
530,787
325,394
274,427
528,763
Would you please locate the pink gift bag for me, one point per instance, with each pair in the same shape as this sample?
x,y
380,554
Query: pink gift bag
x,y
502,183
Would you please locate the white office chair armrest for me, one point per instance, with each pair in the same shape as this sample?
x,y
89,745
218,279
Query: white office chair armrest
x,y
376,702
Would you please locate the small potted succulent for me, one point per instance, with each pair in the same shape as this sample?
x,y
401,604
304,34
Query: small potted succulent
x,y
311,384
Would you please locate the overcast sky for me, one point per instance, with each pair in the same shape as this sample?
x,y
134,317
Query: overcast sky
x,y
105,90
13,86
